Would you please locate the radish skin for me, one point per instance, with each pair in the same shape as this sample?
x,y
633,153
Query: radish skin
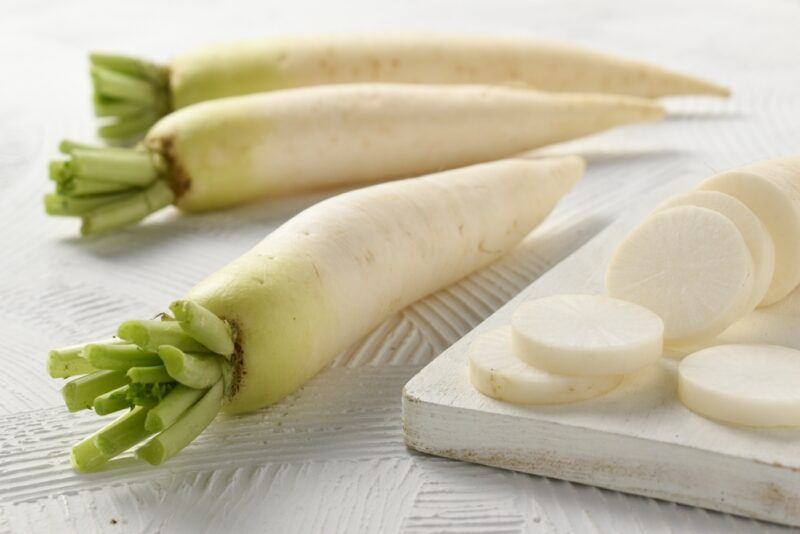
x,y
233,69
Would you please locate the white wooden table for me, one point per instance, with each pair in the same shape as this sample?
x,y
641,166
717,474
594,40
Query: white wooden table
x,y
331,458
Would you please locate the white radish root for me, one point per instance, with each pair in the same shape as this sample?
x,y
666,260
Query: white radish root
x,y
752,385
755,233
585,335
690,266
496,372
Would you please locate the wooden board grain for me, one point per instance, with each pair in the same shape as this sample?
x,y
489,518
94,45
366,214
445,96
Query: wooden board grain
x,y
638,439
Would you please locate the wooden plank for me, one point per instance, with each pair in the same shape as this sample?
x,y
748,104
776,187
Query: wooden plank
x,y
637,439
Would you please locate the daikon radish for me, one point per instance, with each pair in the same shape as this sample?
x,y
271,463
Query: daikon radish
x,y
496,372
133,94
778,324
767,189
227,152
753,385
313,287
586,335
689,265
755,233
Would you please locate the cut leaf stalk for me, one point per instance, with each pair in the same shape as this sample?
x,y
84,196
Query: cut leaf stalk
x,y
214,333
113,401
123,433
119,357
150,335
149,375
68,361
191,369
172,407
172,440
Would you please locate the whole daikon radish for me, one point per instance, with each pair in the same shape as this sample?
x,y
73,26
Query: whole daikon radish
x,y
136,93
260,327
231,151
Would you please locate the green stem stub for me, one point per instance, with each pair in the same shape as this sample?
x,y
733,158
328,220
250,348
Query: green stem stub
x,y
191,369
113,401
152,334
119,357
149,375
204,326
169,442
108,188
172,407
130,94
160,372
86,456
123,433
79,393
67,362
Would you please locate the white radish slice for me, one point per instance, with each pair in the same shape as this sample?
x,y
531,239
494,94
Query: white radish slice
x,y
689,265
752,385
497,373
777,204
755,234
586,335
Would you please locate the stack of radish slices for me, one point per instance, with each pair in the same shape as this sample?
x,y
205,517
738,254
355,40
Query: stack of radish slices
x,y
702,262
565,348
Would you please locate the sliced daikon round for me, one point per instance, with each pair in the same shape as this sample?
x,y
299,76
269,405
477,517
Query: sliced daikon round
x,y
755,234
753,385
689,265
777,204
497,373
586,335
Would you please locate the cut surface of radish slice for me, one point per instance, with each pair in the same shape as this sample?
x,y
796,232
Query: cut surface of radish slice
x,y
586,335
755,234
497,373
690,266
777,204
752,385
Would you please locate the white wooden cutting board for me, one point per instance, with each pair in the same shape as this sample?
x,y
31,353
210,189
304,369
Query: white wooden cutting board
x,y
637,439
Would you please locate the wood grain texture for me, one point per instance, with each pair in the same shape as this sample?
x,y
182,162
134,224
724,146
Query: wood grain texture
x,y
56,289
